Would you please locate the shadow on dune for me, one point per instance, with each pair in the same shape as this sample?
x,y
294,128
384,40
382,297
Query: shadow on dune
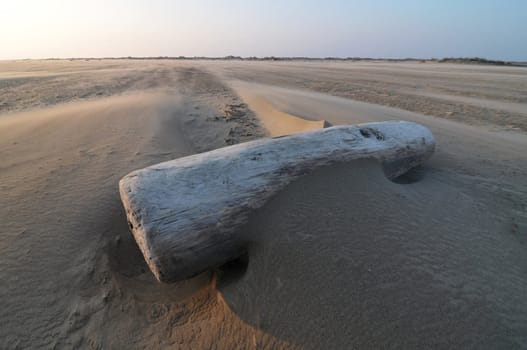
x,y
344,258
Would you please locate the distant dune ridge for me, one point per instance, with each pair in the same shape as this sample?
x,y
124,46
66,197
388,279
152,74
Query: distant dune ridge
x,y
341,258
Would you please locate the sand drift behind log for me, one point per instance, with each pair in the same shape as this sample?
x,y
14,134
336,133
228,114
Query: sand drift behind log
x,y
185,214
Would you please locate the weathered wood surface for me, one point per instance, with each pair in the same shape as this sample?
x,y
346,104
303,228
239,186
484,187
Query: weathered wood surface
x,y
185,214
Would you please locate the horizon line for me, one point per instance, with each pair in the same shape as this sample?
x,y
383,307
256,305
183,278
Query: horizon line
x,y
461,59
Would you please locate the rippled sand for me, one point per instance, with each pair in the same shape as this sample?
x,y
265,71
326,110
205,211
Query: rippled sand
x,y
343,258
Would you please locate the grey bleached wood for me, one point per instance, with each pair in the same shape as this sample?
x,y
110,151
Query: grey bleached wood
x,y
185,214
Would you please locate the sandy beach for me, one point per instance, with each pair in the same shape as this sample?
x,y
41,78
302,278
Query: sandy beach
x,y
343,258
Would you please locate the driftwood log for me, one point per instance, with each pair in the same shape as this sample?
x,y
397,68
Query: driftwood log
x,y
185,214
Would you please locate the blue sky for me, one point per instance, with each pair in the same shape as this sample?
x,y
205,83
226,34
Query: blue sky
x,y
379,28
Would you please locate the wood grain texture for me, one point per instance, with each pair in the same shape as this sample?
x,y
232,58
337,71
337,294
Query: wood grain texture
x,y
185,214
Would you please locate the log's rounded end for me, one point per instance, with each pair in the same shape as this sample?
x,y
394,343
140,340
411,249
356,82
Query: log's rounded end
x,y
415,144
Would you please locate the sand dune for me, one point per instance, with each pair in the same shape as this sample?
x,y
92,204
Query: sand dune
x,y
276,121
342,258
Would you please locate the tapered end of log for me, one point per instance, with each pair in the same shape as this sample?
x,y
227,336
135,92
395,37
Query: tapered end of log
x,y
185,214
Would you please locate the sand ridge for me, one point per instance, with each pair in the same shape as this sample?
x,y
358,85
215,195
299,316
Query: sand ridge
x,y
277,122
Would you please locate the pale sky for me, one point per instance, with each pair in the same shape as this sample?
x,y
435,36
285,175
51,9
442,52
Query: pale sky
x,y
378,28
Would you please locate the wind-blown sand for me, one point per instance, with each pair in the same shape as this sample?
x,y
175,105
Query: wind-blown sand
x,y
343,258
